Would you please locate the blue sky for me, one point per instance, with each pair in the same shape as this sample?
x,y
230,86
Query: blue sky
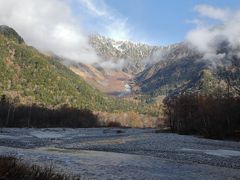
x,y
159,22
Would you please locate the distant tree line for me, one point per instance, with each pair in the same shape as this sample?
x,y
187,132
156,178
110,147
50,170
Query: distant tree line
x,y
12,115
210,116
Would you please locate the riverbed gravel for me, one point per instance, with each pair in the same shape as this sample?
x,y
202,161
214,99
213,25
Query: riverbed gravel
x,y
114,153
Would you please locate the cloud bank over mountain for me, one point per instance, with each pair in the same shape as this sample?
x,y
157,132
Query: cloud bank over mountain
x,y
219,38
60,27
49,26
56,27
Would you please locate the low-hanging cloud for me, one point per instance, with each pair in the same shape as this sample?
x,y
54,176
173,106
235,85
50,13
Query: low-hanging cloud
x,y
50,26
212,12
219,41
111,64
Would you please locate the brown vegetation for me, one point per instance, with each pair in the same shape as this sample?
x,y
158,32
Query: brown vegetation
x,y
12,169
129,119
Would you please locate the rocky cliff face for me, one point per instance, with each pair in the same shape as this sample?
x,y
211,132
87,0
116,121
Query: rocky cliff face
x,y
125,55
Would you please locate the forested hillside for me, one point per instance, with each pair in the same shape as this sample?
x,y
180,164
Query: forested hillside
x,y
30,77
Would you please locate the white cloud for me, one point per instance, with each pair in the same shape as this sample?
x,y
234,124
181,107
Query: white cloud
x,y
49,25
197,22
92,7
212,12
108,21
114,65
217,42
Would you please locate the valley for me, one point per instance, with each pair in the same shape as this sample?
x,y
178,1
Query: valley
x,y
84,93
155,71
29,77
113,82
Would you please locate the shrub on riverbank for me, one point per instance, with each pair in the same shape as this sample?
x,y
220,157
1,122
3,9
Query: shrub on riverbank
x,y
12,169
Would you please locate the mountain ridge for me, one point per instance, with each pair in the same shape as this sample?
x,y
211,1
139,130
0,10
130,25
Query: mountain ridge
x,y
165,70
143,70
